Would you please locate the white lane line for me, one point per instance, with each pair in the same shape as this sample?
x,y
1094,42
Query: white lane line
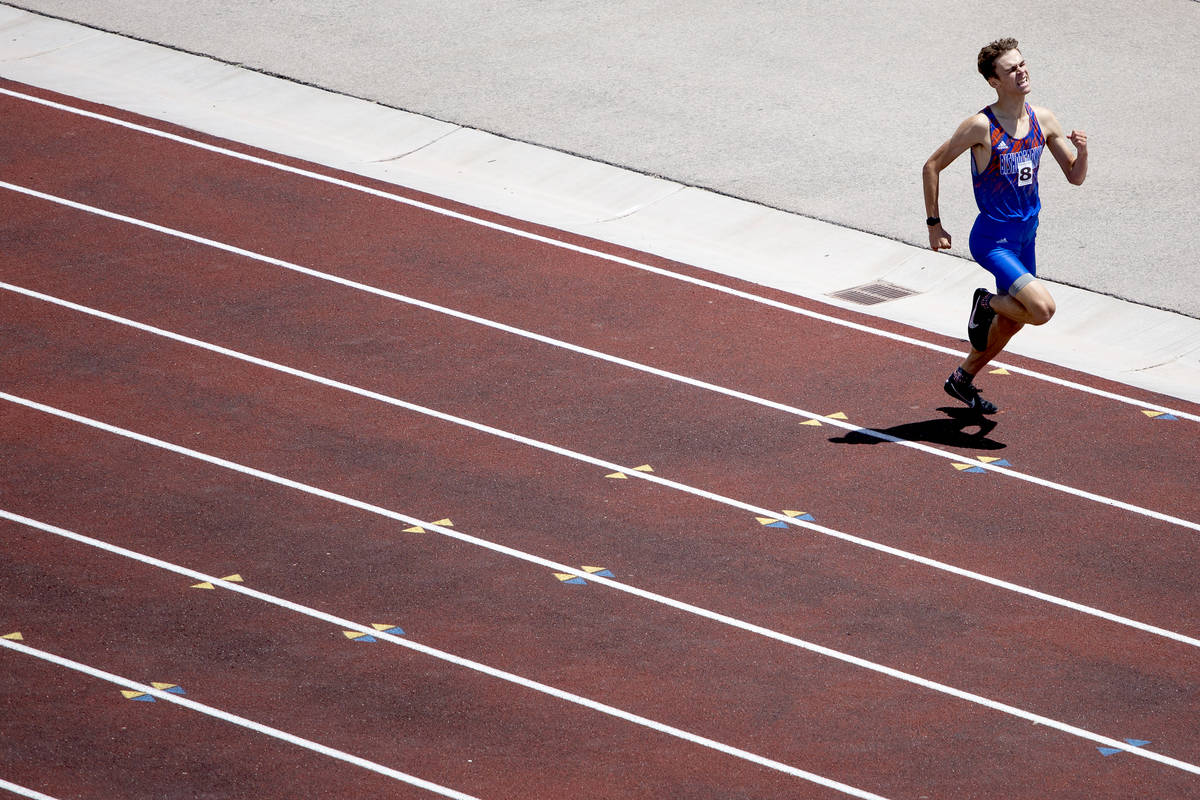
x,y
507,229
21,790
476,666
234,719
366,288
610,467
657,598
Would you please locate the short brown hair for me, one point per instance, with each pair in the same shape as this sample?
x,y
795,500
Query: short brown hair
x,y
989,54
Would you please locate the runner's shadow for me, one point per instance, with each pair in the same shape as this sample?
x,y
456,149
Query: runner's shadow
x,y
961,427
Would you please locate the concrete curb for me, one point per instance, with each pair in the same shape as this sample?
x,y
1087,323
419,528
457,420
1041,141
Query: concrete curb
x,y
1135,345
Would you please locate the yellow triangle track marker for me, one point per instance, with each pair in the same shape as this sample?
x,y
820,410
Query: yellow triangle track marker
x,y
837,415
816,423
644,468
1152,414
16,637
444,523
383,626
414,529
353,634
989,459
766,520
234,578
794,514
129,694
163,686
565,576
961,467
593,569
1000,371
621,476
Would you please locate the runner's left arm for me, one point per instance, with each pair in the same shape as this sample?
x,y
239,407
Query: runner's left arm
x,y
1074,164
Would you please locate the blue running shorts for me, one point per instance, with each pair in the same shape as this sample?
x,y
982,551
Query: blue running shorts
x,y
1005,249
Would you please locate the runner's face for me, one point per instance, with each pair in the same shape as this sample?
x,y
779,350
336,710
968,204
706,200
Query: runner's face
x,y
1011,73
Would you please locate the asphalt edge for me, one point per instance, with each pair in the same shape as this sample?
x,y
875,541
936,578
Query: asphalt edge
x,y
1136,345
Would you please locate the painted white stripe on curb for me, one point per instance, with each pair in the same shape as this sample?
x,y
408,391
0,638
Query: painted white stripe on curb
x,y
686,607
448,657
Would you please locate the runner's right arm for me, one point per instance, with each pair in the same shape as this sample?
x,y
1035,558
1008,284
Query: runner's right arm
x,y
973,132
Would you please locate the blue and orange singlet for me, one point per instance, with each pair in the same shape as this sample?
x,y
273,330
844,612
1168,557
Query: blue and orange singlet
x,y
1007,189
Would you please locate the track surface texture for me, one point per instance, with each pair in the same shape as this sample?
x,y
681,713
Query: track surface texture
x,y
337,408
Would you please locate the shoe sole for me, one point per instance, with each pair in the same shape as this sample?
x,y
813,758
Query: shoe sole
x,y
977,331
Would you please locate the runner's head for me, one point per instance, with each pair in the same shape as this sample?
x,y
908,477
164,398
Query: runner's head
x,y
1003,66
989,54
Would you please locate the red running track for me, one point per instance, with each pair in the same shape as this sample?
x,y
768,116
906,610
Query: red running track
x,y
931,633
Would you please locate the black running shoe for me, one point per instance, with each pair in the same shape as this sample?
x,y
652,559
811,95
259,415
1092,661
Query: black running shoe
x,y
969,393
980,321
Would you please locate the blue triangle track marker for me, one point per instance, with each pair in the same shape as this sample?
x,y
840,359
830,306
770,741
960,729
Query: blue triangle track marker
x,y
1112,751
394,630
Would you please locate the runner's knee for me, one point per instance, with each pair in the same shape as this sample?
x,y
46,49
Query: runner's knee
x,y
1032,295
1041,310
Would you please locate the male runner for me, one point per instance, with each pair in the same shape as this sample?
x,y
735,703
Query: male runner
x,y
1006,141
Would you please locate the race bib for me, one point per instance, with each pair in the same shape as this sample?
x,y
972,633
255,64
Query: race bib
x,y
1025,172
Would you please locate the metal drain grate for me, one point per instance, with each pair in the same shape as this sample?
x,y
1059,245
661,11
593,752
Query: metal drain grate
x,y
872,293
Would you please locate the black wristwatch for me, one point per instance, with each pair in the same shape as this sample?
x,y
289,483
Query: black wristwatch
x,y
931,221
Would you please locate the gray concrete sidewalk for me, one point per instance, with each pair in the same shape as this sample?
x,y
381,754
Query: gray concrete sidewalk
x,y
824,109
